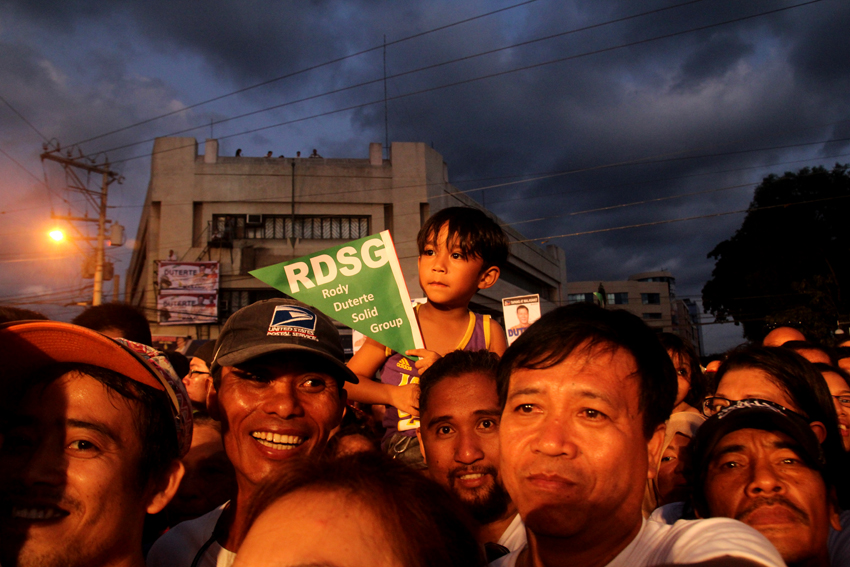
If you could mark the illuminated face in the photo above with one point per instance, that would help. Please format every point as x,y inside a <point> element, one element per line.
<point>331,528</point>
<point>198,381</point>
<point>69,476</point>
<point>446,276</point>
<point>460,441</point>
<point>522,315</point>
<point>840,390</point>
<point>673,480</point>
<point>573,454</point>
<point>272,409</point>
<point>759,478</point>
<point>683,375</point>
<point>753,384</point>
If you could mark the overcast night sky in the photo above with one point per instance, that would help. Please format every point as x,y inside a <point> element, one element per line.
<point>562,116</point>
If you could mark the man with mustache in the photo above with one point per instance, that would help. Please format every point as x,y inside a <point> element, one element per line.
<point>459,437</point>
<point>585,393</point>
<point>762,464</point>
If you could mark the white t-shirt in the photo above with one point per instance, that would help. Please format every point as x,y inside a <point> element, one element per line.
<point>839,543</point>
<point>687,541</point>
<point>514,535</point>
<point>179,546</point>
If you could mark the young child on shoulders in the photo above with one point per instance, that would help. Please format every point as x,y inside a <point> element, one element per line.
<point>461,251</point>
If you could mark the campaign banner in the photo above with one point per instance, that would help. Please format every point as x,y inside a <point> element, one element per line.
<point>182,277</point>
<point>520,312</point>
<point>359,284</point>
<point>187,308</point>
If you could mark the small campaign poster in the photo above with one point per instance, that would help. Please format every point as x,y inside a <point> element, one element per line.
<point>520,312</point>
<point>187,292</point>
<point>359,284</point>
<point>187,308</point>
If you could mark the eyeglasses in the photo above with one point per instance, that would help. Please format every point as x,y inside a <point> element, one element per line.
<point>843,400</point>
<point>714,404</point>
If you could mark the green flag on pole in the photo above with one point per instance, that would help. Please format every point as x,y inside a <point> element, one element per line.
<point>359,284</point>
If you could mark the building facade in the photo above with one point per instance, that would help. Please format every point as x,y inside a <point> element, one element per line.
<point>649,295</point>
<point>251,212</point>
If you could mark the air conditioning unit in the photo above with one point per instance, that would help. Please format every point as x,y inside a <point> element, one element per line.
<point>254,220</point>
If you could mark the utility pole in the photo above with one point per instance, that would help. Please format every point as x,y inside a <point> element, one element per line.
<point>70,164</point>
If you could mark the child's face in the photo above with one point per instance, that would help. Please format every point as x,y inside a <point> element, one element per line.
<point>445,275</point>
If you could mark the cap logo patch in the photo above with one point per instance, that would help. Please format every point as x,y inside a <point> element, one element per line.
<point>293,321</point>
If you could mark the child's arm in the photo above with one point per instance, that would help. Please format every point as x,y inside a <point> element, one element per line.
<point>364,364</point>
<point>498,342</point>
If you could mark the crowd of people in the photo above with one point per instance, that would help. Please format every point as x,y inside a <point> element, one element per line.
<point>592,440</point>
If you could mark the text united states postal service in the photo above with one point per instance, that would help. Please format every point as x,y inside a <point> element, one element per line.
<point>359,284</point>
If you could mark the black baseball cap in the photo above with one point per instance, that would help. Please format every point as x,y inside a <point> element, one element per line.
<point>756,414</point>
<point>277,325</point>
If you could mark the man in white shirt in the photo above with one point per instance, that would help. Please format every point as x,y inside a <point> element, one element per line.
<point>459,438</point>
<point>585,394</point>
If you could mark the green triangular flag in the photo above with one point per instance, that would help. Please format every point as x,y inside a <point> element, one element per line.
<point>359,284</point>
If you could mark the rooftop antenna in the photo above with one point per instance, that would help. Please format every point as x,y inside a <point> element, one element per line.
<point>386,113</point>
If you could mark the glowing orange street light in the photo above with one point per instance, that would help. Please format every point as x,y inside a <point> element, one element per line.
<point>57,235</point>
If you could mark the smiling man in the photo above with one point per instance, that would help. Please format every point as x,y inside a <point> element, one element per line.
<point>278,374</point>
<point>762,464</point>
<point>92,433</point>
<point>585,394</point>
<point>459,437</point>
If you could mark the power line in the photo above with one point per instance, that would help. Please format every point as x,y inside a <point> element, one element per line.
<point>405,73</point>
<point>487,76</point>
<point>305,70</point>
<point>683,219</point>
<point>21,116</point>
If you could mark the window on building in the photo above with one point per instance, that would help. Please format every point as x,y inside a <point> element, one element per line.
<point>621,298</point>
<point>579,298</point>
<point>654,316</point>
<point>235,227</point>
<point>650,298</point>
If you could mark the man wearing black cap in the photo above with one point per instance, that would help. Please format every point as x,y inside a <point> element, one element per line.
<point>278,373</point>
<point>762,464</point>
<point>92,431</point>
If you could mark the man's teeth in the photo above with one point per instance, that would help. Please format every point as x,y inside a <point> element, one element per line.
<point>471,476</point>
<point>842,426</point>
<point>35,513</point>
<point>276,440</point>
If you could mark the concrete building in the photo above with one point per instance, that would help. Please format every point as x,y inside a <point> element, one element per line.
<point>651,296</point>
<point>250,212</point>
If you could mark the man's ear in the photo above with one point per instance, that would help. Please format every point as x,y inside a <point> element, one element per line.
<point>489,277</point>
<point>421,445</point>
<point>819,429</point>
<point>653,449</point>
<point>167,488</point>
<point>834,510</point>
<point>212,404</point>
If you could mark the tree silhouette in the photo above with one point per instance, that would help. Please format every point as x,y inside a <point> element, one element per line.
<point>789,263</point>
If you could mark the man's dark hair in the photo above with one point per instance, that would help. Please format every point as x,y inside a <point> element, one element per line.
<point>130,321</point>
<point>476,234</point>
<point>9,314</point>
<point>456,363</point>
<point>805,385</point>
<point>436,531</point>
<point>154,423</point>
<point>684,350</point>
<point>560,332</point>
<point>824,367</point>
<point>522,307</point>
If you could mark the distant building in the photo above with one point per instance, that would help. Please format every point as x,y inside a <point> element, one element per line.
<point>249,212</point>
<point>651,296</point>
